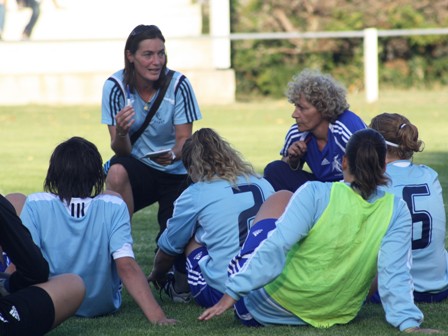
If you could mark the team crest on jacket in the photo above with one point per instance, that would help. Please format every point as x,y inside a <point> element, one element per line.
<point>337,165</point>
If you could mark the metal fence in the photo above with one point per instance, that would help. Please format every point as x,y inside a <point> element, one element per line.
<point>370,36</point>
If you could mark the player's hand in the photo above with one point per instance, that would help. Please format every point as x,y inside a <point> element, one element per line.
<point>158,282</point>
<point>164,159</point>
<point>166,321</point>
<point>297,150</point>
<point>124,120</point>
<point>422,331</point>
<point>225,303</point>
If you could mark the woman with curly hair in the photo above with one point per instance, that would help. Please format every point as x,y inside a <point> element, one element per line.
<point>211,219</point>
<point>318,138</point>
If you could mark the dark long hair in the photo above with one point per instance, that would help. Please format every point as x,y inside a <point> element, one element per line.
<point>76,170</point>
<point>366,155</point>
<point>138,34</point>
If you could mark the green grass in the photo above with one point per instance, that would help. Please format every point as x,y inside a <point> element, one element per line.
<point>30,133</point>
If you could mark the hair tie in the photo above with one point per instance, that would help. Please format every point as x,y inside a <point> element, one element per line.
<point>402,125</point>
<point>391,144</point>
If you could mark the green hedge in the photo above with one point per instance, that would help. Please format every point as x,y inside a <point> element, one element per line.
<point>263,67</point>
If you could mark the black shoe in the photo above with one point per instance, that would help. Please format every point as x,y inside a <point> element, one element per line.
<point>169,290</point>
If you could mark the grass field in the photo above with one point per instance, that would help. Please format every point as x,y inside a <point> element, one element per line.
<point>30,133</point>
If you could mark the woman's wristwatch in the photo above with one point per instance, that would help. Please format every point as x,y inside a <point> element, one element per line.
<point>173,156</point>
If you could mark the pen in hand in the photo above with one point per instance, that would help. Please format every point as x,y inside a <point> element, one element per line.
<point>128,93</point>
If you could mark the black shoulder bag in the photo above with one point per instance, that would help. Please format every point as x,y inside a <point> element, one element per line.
<point>151,112</point>
<point>154,107</point>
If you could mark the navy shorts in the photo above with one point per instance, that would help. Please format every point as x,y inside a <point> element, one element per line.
<point>203,294</point>
<point>244,316</point>
<point>421,297</point>
<point>257,234</point>
<point>282,177</point>
<point>29,311</point>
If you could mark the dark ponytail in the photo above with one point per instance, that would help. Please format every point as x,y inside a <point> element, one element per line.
<point>366,155</point>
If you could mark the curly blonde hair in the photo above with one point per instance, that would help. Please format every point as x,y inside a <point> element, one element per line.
<point>399,131</point>
<point>207,156</point>
<point>322,91</point>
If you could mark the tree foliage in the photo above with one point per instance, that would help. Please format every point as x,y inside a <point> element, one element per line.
<point>265,66</point>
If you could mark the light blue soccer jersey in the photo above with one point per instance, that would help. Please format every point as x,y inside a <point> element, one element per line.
<point>179,106</point>
<point>80,238</point>
<point>304,209</point>
<point>326,165</point>
<point>420,188</point>
<point>218,217</point>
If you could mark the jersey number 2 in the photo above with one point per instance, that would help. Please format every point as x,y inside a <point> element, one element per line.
<point>247,216</point>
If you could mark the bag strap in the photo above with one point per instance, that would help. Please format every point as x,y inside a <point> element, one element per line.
<point>154,107</point>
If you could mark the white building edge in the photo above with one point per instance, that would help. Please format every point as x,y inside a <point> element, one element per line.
<point>73,49</point>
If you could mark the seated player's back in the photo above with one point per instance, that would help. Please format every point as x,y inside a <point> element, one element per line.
<point>419,186</point>
<point>80,238</point>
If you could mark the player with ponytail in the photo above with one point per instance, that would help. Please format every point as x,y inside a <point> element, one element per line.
<point>322,246</point>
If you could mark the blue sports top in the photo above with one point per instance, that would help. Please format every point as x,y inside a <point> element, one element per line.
<point>326,165</point>
<point>179,106</point>
<point>303,211</point>
<point>420,187</point>
<point>81,238</point>
<point>218,217</point>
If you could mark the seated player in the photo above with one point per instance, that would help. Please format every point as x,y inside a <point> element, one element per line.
<point>420,188</point>
<point>323,125</point>
<point>30,302</point>
<point>82,230</point>
<point>329,241</point>
<point>211,217</point>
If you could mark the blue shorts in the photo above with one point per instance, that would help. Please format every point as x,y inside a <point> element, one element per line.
<point>430,297</point>
<point>244,316</point>
<point>421,297</point>
<point>282,177</point>
<point>258,233</point>
<point>204,295</point>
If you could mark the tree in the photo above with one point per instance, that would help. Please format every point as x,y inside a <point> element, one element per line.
<point>265,66</point>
